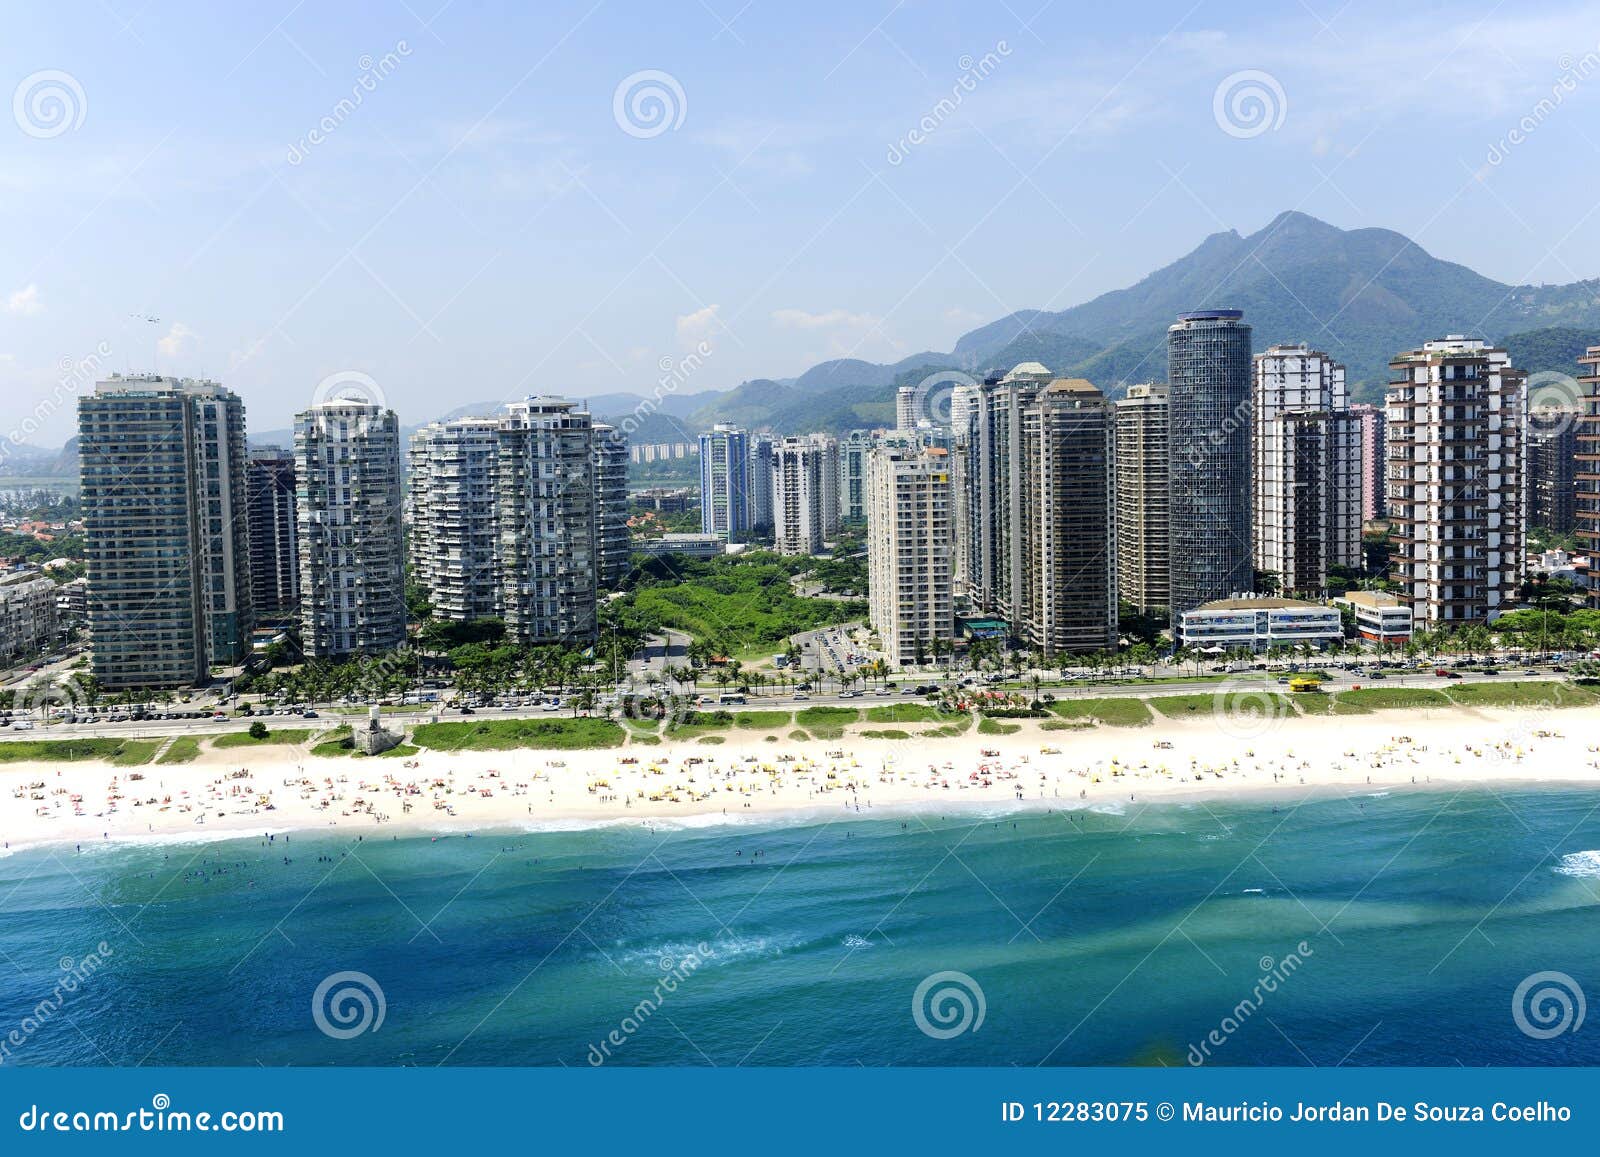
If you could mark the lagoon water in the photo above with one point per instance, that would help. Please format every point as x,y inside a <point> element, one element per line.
<point>1089,937</point>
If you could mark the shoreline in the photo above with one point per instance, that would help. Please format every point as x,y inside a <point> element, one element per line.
<point>239,793</point>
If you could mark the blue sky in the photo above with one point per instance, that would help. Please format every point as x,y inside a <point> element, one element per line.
<point>482,224</point>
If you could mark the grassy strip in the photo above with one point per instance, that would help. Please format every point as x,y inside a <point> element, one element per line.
<point>1531,694</point>
<point>754,720</point>
<point>184,749</point>
<point>886,733</point>
<point>960,725</point>
<point>245,739</point>
<point>904,713</point>
<point>1066,725</point>
<point>987,726</point>
<point>1227,702</point>
<point>507,734</point>
<point>827,722</point>
<point>121,752</point>
<point>1118,712</point>
<point>1385,698</point>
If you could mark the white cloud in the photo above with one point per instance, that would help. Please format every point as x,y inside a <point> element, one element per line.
<point>24,302</point>
<point>830,319</point>
<point>699,325</point>
<point>178,338</point>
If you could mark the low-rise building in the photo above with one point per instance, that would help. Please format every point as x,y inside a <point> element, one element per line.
<point>1380,617</point>
<point>1255,623</point>
<point>700,546</point>
<point>27,615</point>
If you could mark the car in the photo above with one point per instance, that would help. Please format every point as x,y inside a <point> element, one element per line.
<point>22,725</point>
<point>466,709</point>
<point>910,691</point>
<point>552,705</point>
<point>308,714</point>
<point>883,691</point>
<point>1377,675</point>
<point>800,695</point>
<point>219,717</point>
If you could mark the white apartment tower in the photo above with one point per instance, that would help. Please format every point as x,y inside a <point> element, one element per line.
<point>905,408</point>
<point>1305,469</point>
<point>1144,572</point>
<point>909,551</point>
<point>450,501</point>
<point>797,495</point>
<point>349,502</point>
<point>1455,420</point>
<point>613,542</point>
<point>545,517</point>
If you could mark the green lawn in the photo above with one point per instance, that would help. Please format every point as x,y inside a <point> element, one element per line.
<point>1313,703</point>
<point>184,749</point>
<point>121,752</point>
<point>987,726</point>
<point>905,713</point>
<point>756,720</point>
<point>1066,725</point>
<point>508,734</point>
<point>1189,706</point>
<point>885,733</point>
<point>245,739</point>
<point>333,748</point>
<point>1118,712</point>
<point>1530,694</point>
<point>750,602</point>
<point>1383,698</point>
<point>827,722</point>
<point>959,725</point>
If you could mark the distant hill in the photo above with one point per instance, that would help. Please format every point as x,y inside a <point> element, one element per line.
<point>1362,295</point>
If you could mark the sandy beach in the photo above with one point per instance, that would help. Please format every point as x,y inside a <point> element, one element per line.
<point>273,788</point>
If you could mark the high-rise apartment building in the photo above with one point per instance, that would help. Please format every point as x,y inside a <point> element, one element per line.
<point>797,495</point>
<point>828,448</point>
<point>450,499</point>
<point>1552,483</point>
<point>854,451</point>
<point>909,550</point>
<point>1305,453</point>
<point>997,477</point>
<point>725,482</point>
<point>759,475</point>
<point>1586,513</point>
<point>1208,371</point>
<point>1456,411</point>
<point>1374,460</point>
<point>1066,577</point>
<point>165,530</point>
<point>1144,576</point>
<point>274,536</point>
<point>349,500</point>
<point>545,517</point>
<point>613,542</point>
<point>905,408</point>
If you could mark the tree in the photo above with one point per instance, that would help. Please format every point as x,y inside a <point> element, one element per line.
<point>258,730</point>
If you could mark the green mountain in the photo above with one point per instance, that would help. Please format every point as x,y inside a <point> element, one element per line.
<point>1360,294</point>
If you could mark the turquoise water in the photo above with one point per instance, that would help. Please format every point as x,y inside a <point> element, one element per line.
<point>1094,938</point>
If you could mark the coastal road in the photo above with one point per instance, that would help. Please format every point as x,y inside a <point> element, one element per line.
<point>329,719</point>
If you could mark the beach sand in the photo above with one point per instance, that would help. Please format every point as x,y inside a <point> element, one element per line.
<point>277,788</point>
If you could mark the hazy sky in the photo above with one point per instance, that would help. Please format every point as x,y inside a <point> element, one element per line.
<point>486,215</point>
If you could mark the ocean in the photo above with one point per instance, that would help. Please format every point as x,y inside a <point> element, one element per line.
<point>1427,928</point>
